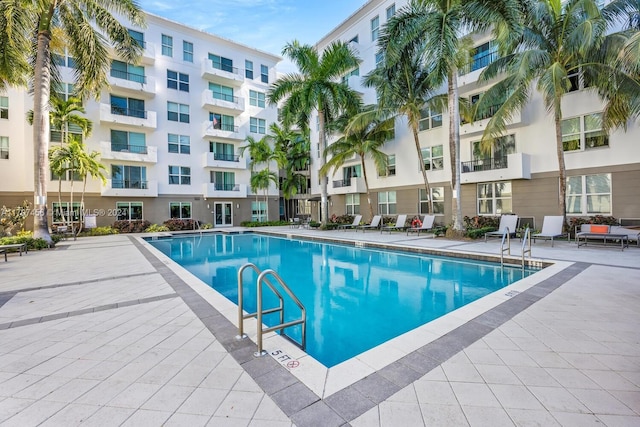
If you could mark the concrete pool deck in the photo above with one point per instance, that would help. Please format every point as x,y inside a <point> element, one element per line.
<point>102,331</point>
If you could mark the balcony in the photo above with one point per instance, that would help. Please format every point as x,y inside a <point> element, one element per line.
<point>512,166</point>
<point>125,116</point>
<point>355,83</point>
<point>130,153</point>
<point>219,130</point>
<point>222,103</point>
<point>148,56</point>
<point>224,191</point>
<point>133,84</point>
<point>129,188</point>
<point>223,161</point>
<point>229,75</point>
<point>348,186</point>
<point>478,127</point>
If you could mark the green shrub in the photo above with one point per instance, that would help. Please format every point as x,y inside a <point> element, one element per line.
<point>330,226</point>
<point>99,231</point>
<point>342,219</point>
<point>477,222</point>
<point>25,237</point>
<point>175,224</point>
<point>137,226</point>
<point>315,224</point>
<point>263,223</point>
<point>477,233</point>
<point>156,228</point>
<point>207,226</point>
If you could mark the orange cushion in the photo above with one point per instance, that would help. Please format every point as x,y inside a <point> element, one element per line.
<point>599,228</point>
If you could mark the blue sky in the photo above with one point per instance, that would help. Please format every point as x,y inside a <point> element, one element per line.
<point>263,24</point>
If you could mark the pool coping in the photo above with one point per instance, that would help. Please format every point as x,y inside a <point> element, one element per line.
<point>356,390</point>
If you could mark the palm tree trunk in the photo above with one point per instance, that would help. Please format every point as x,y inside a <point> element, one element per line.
<point>62,216</point>
<point>416,140</point>
<point>41,132</point>
<point>562,196</point>
<point>454,147</point>
<point>366,185</point>
<point>324,198</point>
<point>71,215</point>
<point>81,217</point>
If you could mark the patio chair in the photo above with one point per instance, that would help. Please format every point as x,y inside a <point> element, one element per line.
<point>551,228</point>
<point>508,223</point>
<point>400,224</point>
<point>375,223</point>
<point>355,223</point>
<point>427,225</point>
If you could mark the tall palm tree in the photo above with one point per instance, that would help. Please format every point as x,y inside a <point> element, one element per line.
<point>316,88</point>
<point>260,152</point>
<point>560,39</point>
<point>261,180</point>
<point>363,139</point>
<point>64,161</point>
<point>89,166</point>
<point>87,27</point>
<point>432,28</point>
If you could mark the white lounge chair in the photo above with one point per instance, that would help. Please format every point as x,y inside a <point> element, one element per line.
<point>355,223</point>
<point>400,224</point>
<point>551,228</point>
<point>427,225</point>
<point>375,223</point>
<point>508,224</point>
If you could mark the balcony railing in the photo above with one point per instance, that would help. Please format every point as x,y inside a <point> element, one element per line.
<point>342,183</point>
<point>486,164</point>
<point>142,185</point>
<point>225,127</point>
<point>130,112</point>
<point>138,149</point>
<point>225,97</point>
<point>128,76</point>
<point>226,157</point>
<point>480,61</point>
<point>228,69</point>
<point>226,187</point>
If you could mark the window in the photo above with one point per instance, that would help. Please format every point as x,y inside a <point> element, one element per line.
<point>178,81</point>
<point>177,112</point>
<point>391,166</point>
<point>248,69</point>
<point>128,107</point>
<point>122,70</point>
<point>129,211</point>
<point>137,36</point>
<point>4,107</point>
<point>258,211</point>
<point>257,99</point>
<point>494,198</point>
<point>353,204</point>
<point>375,28</point>
<point>583,133</point>
<point>223,151</point>
<point>430,118</point>
<point>187,51</point>
<point>354,72</point>
<point>61,210</point>
<point>64,60</point>
<point>180,210</point>
<point>167,45</point>
<point>63,91</point>
<point>491,154</point>
<point>433,158</point>
<point>483,55</point>
<point>224,93</point>
<point>379,58</point>
<point>387,202</point>
<point>4,147</point>
<point>264,74</point>
<point>221,63</point>
<point>73,131</point>
<point>257,125</point>
<point>179,143</point>
<point>67,176</point>
<point>391,10</point>
<point>132,142</point>
<point>589,195</point>
<point>128,177</point>
<point>349,172</point>
<point>437,195</point>
<point>179,175</point>
<point>222,122</point>
<point>223,181</point>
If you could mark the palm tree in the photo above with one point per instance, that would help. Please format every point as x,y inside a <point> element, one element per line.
<point>64,161</point>
<point>560,39</point>
<point>432,29</point>
<point>260,152</point>
<point>87,27</point>
<point>261,180</point>
<point>316,87</point>
<point>89,165</point>
<point>363,139</point>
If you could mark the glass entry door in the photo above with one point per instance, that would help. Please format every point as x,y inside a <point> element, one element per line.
<point>222,214</point>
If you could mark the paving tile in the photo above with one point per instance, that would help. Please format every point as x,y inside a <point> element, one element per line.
<point>203,401</point>
<point>42,388</point>
<point>269,411</point>
<point>611,380</point>
<point>571,419</point>
<point>460,372</point>
<point>318,413</point>
<point>435,392</point>
<point>191,420</point>
<point>619,420</point>
<point>376,388</point>
<point>18,383</point>
<point>71,415</point>
<point>294,398</point>
<point>497,374</point>
<point>146,418</point>
<point>228,422</point>
<point>239,404</point>
<point>396,413</point>
<point>556,399</point>
<point>572,378</point>
<point>349,403</point>
<point>134,396</point>
<point>34,414</point>
<point>473,394</point>
<point>435,415</point>
<point>601,402</point>
<point>168,398</point>
<point>629,398</point>
<point>515,396</point>
<point>11,406</point>
<point>530,418</point>
<point>487,416</point>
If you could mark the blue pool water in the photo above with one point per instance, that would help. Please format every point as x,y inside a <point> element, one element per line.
<point>355,298</point>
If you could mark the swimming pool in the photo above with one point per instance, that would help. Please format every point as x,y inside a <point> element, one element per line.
<point>356,298</point>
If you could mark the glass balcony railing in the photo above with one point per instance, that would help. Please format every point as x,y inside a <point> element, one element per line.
<point>128,76</point>
<point>342,183</point>
<point>138,149</point>
<point>226,157</point>
<point>134,184</point>
<point>130,112</point>
<point>486,164</point>
<point>226,187</point>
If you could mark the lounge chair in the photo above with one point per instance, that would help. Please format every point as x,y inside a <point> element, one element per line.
<point>375,223</point>
<point>400,224</point>
<point>355,223</point>
<point>508,223</point>
<point>427,225</point>
<point>551,228</point>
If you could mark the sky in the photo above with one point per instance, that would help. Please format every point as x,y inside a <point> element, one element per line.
<point>263,24</point>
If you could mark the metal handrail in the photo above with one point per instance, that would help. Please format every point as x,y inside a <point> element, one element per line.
<point>526,239</point>
<point>505,235</point>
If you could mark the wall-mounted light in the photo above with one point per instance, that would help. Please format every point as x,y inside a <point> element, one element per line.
<point>237,205</point>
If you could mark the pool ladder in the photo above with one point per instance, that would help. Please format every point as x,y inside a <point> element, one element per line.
<point>526,245</point>
<point>263,278</point>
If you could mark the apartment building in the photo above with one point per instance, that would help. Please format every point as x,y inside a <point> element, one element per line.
<point>520,175</point>
<point>168,131</point>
